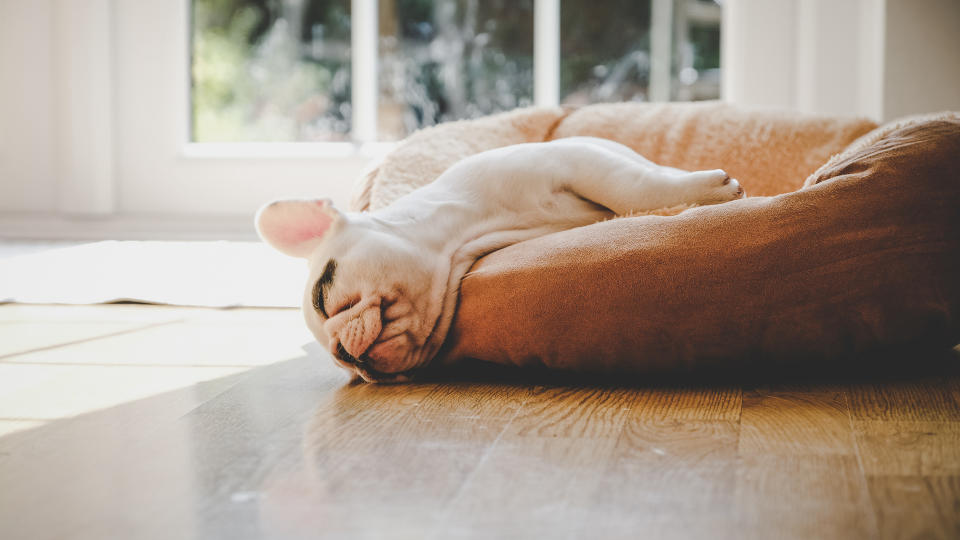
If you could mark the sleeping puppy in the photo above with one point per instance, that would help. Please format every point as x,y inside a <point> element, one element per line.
<point>383,285</point>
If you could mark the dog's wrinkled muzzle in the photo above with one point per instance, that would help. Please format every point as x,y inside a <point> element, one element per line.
<point>361,332</point>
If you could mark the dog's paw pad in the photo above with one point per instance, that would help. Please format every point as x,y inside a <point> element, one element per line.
<point>715,186</point>
<point>731,190</point>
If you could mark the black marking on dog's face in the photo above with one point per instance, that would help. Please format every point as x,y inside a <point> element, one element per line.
<point>343,355</point>
<point>363,364</point>
<point>322,285</point>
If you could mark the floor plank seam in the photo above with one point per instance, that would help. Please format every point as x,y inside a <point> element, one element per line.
<point>125,365</point>
<point>4,357</point>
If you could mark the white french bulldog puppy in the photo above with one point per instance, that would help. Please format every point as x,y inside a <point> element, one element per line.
<point>383,285</point>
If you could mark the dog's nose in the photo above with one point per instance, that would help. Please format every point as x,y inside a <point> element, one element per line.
<point>361,331</point>
<point>344,356</point>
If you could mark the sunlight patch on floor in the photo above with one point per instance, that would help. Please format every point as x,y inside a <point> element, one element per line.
<point>62,361</point>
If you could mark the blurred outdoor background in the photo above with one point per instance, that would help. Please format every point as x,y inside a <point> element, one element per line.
<point>280,70</point>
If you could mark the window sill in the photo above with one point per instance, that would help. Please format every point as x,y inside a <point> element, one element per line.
<point>286,150</point>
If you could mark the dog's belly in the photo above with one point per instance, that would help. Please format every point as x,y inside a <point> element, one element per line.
<point>567,209</point>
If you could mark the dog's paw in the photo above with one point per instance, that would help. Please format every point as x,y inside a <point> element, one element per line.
<point>714,186</point>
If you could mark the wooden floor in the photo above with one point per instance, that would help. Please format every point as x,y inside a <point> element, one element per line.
<point>148,422</point>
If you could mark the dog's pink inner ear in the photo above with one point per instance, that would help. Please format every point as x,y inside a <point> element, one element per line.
<point>295,227</point>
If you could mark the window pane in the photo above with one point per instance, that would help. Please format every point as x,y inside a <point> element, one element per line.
<point>450,59</point>
<point>606,54</point>
<point>266,70</point>
<point>279,70</point>
<point>698,75</point>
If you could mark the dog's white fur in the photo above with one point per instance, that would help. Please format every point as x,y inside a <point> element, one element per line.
<point>390,297</point>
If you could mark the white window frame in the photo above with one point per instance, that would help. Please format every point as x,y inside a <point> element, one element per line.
<point>146,163</point>
<point>160,171</point>
<point>364,60</point>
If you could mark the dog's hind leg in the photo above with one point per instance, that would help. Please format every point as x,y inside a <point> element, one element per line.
<point>607,174</point>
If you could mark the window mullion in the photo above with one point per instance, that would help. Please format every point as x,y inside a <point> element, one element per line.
<point>363,57</point>
<point>546,52</point>
<point>661,49</point>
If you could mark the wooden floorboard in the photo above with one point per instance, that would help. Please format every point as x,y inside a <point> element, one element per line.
<point>156,422</point>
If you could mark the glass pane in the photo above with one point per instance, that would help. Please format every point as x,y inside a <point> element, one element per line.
<point>445,60</point>
<point>605,50</point>
<point>267,70</point>
<point>697,76</point>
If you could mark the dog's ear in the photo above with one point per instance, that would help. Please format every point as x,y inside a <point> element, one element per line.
<point>296,226</point>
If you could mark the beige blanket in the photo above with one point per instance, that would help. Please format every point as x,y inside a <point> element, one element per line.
<point>769,152</point>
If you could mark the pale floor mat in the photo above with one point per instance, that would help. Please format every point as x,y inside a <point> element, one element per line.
<point>210,274</point>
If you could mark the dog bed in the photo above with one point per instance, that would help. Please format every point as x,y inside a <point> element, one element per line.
<point>849,244</point>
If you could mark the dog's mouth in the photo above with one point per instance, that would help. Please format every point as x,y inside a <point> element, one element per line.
<point>362,366</point>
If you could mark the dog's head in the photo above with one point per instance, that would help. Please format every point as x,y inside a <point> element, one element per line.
<point>370,294</point>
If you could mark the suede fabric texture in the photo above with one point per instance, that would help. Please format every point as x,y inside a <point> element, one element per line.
<point>864,259</point>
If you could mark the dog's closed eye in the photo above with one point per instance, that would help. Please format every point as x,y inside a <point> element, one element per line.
<point>322,285</point>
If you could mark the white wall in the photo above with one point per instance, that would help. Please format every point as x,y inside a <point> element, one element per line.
<point>922,57</point>
<point>876,58</point>
<point>27,179</point>
<point>836,47</point>
<point>759,50</point>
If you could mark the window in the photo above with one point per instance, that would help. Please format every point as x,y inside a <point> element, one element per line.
<point>271,70</point>
<point>448,60</point>
<point>180,118</point>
